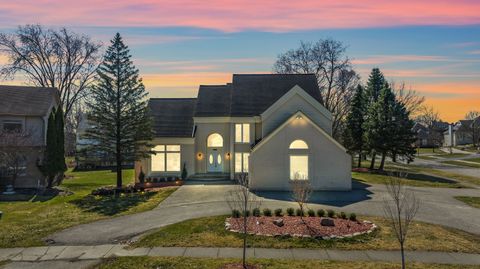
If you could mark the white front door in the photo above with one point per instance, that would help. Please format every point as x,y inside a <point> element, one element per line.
<point>214,160</point>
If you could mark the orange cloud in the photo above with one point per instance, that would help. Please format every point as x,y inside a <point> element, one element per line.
<point>229,15</point>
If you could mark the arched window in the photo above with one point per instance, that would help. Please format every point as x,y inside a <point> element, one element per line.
<point>215,141</point>
<point>298,160</point>
<point>298,144</point>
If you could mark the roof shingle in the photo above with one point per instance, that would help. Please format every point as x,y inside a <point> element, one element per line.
<point>26,101</point>
<point>172,117</point>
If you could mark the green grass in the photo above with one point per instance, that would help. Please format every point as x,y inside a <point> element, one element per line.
<point>217,263</point>
<point>462,163</point>
<point>410,178</point>
<point>25,223</point>
<point>469,200</point>
<point>445,174</point>
<point>475,160</point>
<point>428,150</point>
<point>210,232</point>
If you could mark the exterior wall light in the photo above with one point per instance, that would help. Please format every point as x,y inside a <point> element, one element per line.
<point>299,117</point>
<point>227,156</point>
<point>199,156</point>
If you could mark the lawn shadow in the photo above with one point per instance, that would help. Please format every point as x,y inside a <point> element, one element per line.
<point>358,193</point>
<point>110,205</point>
<point>416,176</point>
<point>32,195</point>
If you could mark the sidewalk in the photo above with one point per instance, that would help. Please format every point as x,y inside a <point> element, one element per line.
<point>66,253</point>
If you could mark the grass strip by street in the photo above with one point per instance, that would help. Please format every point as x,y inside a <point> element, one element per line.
<point>25,223</point>
<point>445,174</point>
<point>411,179</point>
<point>469,200</point>
<point>466,163</point>
<point>210,232</point>
<point>211,263</point>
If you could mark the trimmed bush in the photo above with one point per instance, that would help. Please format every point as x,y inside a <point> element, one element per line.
<point>141,177</point>
<point>290,211</point>
<point>278,212</point>
<point>343,215</point>
<point>299,212</point>
<point>235,213</point>
<point>256,212</point>
<point>247,213</point>
<point>311,213</point>
<point>353,217</point>
<point>321,213</point>
<point>267,212</point>
<point>330,213</point>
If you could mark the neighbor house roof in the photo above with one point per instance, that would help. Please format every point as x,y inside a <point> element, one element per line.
<point>27,101</point>
<point>172,117</point>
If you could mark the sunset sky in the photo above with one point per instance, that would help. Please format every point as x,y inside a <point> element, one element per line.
<point>431,45</point>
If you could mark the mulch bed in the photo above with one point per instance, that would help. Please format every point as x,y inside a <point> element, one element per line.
<point>294,226</point>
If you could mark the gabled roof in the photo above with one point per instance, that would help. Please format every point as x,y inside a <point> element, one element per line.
<point>252,94</point>
<point>213,100</point>
<point>27,101</point>
<point>172,117</point>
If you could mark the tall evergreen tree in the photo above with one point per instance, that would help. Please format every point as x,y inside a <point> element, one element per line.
<point>353,136</point>
<point>375,83</point>
<point>60,145</point>
<point>403,137</point>
<point>48,166</point>
<point>122,127</point>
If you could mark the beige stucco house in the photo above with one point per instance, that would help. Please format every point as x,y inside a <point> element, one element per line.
<point>270,126</point>
<point>26,110</point>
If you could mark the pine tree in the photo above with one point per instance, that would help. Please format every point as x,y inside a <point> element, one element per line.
<point>122,127</point>
<point>353,135</point>
<point>375,83</point>
<point>404,137</point>
<point>60,145</point>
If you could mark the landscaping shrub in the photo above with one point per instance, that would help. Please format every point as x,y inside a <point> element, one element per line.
<point>299,212</point>
<point>311,213</point>
<point>247,213</point>
<point>278,212</point>
<point>290,211</point>
<point>267,212</point>
<point>235,213</point>
<point>141,177</point>
<point>343,215</point>
<point>184,171</point>
<point>102,191</point>
<point>330,213</point>
<point>321,213</point>
<point>256,212</point>
<point>353,216</point>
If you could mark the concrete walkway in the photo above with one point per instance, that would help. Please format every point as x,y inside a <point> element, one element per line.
<point>70,253</point>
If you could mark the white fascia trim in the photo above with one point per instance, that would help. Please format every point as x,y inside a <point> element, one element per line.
<point>293,117</point>
<point>296,90</point>
<point>173,140</point>
<point>253,119</point>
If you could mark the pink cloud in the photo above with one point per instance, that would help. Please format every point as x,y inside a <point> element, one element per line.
<point>270,15</point>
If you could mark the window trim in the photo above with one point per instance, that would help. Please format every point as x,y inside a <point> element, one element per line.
<point>290,166</point>
<point>294,151</point>
<point>165,152</point>
<point>19,122</point>
<point>242,133</point>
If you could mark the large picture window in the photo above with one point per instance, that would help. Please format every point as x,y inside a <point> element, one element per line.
<point>242,133</point>
<point>241,162</point>
<point>298,160</point>
<point>166,159</point>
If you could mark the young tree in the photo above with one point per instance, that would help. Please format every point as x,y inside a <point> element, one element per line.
<point>375,83</point>
<point>336,78</point>
<point>400,207</point>
<point>353,134</point>
<point>241,199</point>
<point>51,58</point>
<point>301,191</point>
<point>119,109</point>
<point>14,146</point>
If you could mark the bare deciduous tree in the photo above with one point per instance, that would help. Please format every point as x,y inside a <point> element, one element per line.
<point>475,126</point>
<point>51,58</point>
<point>301,191</point>
<point>471,115</point>
<point>429,117</point>
<point>14,147</point>
<point>400,207</point>
<point>241,199</point>
<point>410,98</point>
<point>335,76</point>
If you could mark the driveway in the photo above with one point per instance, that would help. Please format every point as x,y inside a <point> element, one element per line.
<point>198,200</point>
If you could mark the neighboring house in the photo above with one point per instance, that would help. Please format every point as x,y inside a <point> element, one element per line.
<point>25,110</point>
<point>430,136</point>
<point>463,132</point>
<point>270,126</point>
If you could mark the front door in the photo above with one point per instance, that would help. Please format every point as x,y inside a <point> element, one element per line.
<point>214,160</point>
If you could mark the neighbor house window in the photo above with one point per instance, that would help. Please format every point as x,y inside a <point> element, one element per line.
<point>241,162</point>
<point>166,159</point>
<point>242,133</point>
<point>298,160</point>
<point>12,126</point>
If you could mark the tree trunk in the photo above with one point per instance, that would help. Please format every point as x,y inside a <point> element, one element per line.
<point>402,251</point>
<point>382,163</point>
<point>394,157</point>
<point>244,256</point>
<point>359,159</point>
<point>372,164</point>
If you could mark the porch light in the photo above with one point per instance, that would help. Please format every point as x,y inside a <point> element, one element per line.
<point>227,156</point>
<point>199,156</point>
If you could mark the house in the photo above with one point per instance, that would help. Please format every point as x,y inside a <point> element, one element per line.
<point>270,126</point>
<point>463,132</point>
<point>430,136</point>
<point>25,111</point>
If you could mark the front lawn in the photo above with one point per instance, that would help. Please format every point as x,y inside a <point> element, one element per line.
<point>465,163</point>
<point>445,174</point>
<point>210,263</point>
<point>469,200</point>
<point>210,232</point>
<point>25,223</point>
<point>410,178</point>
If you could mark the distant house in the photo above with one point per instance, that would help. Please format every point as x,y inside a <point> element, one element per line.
<point>25,110</point>
<point>271,126</point>
<point>463,132</point>
<point>430,136</point>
